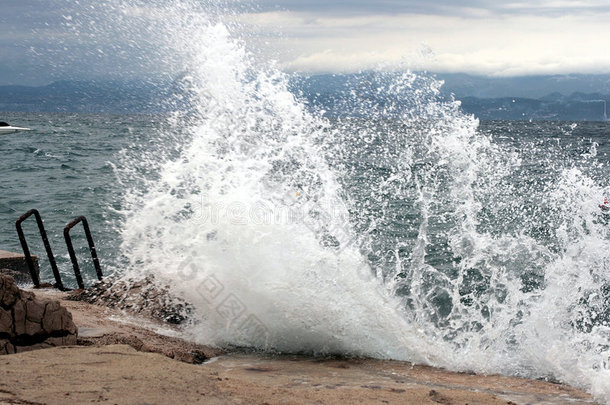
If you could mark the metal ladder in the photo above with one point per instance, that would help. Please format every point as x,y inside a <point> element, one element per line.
<point>28,257</point>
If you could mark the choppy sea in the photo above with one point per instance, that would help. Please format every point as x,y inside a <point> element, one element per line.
<point>399,228</point>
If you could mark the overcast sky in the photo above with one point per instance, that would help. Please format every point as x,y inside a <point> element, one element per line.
<point>46,40</point>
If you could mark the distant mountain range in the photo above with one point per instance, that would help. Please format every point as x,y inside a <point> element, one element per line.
<point>85,97</point>
<point>558,97</point>
<point>561,97</point>
<point>576,107</point>
<point>533,87</point>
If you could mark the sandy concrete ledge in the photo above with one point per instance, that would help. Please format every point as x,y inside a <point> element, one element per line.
<point>145,370</point>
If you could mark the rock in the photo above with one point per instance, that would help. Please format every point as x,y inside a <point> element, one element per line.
<point>6,321</point>
<point>27,323</point>
<point>15,265</point>
<point>19,317</point>
<point>19,277</point>
<point>138,296</point>
<point>9,292</point>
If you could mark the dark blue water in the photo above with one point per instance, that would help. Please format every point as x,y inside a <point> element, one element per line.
<point>74,164</point>
<point>470,238</point>
<point>65,167</point>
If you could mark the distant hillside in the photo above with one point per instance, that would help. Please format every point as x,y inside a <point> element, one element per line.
<point>85,97</point>
<point>569,97</point>
<point>509,108</point>
<point>533,87</point>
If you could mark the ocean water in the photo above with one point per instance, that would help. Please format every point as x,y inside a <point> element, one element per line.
<point>65,167</point>
<point>399,228</point>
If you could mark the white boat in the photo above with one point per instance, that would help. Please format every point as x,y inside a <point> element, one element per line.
<point>6,128</point>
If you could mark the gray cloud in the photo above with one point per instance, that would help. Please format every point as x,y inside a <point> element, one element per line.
<point>46,40</point>
<point>437,7</point>
<point>349,7</point>
<point>32,40</point>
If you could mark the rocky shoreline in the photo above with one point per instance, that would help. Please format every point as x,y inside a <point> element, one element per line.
<point>120,358</point>
<point>28,323</point>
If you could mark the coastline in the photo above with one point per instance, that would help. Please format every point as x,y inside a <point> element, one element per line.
<point>127,360</point>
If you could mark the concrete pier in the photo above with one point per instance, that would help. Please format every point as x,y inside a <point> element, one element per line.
<point>14,264</point>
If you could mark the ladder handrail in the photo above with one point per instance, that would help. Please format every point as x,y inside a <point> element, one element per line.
<point>68,239</point>
<point>47,246</point>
